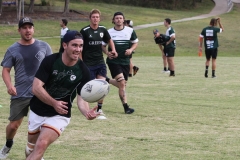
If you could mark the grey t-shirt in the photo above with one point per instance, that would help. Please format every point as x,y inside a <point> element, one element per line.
<point>25,59</point>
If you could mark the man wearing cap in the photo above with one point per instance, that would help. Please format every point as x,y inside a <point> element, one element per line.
<point>58,79</point>
<point>25,57</point>
<point>93,35</point>
<point>161,40</point>
<point>125,40</point>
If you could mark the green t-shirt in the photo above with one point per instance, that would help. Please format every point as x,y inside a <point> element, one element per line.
<point>61,82</point>
<point>92,49</point>
<point>170,32</point>
<point>210,37</point>
<point>123,40</point>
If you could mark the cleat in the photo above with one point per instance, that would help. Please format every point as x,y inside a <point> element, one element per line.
<point>172,75</point>
<point>4,152</point>
<point>135,70</point>
<point>102,115</point>
<point>167,71</point>
<point>214,76</point>
<point>206,74</point>
<point>129,111</point>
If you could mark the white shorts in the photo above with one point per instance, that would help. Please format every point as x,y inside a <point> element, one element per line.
<point>57,123</point>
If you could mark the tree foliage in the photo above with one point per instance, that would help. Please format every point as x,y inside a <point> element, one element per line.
<point>160,4</point>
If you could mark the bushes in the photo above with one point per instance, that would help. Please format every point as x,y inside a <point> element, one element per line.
<point>160,4</point>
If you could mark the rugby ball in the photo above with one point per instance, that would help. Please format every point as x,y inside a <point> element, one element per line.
<point>95,90</point>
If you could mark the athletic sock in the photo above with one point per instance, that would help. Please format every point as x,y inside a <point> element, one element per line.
<point>165,68</point>
<point>213,72</point>
<point>171,72</point>
<point>125,106</point>
<point>130,75</point>
<point>206,67</point>
<point>9,143</point>
<point>99,106</point>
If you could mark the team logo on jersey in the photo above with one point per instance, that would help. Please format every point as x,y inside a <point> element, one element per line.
<point>90,36</point>
<point>40,55</point>
<point>55,72</point>
<point>72,77</point>
<point>101,35</point>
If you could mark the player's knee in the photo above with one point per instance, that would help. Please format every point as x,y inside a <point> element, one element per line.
<point>120,79</point>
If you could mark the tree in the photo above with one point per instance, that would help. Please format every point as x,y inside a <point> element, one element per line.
<point>66,7</point>
<point>31,5</point>
<point>0,7</point>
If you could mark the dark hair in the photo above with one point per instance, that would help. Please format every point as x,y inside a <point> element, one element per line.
<point>213,21</point>
<point>168,20</point>
<point>65,22</point>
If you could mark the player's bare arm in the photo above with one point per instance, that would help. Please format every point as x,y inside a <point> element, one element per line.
<point>112,46</point>
<point>171,39</point>
<point>84,108</point>
<point>7,80</point>
<point>219,23</point>
<point>41,93</point>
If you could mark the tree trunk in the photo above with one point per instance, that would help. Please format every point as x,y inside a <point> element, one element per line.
<point>194,3</point>
<point>18,5</point>
<point>66,7</point>
<point>31,6</point>
<point>0,7</point>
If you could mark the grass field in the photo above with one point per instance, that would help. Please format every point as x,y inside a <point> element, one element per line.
<point>186,117</point>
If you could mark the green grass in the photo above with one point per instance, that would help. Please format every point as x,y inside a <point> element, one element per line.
<point>185,117</point>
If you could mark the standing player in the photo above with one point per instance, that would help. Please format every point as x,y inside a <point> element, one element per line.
<point>209,34</point>
<point>133,69</point>
<point>125,40</point>
<point>25,56</point>
<point>93,35</point>
<point>169,48</point>
<point>64,29</point>
<point>56,82</point>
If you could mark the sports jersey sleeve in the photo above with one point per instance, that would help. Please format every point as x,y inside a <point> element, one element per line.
<point>86,77</point>
<point>44,70</point>
<point>106,36</point>
<point>202,34</point>
<point>134,38</point>
<point>171,32</point>
<point>7,60</point>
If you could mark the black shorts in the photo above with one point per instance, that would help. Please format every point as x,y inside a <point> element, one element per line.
<point>100,69</point>
<point>116,69</point>
<point>211,53</point>
<point>169,52</point>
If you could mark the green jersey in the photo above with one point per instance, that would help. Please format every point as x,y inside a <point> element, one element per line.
<point>170,32</point>
<point>92,49</point>
<point>61,82</point>
<point>210,37</point>
<point>123,40</point>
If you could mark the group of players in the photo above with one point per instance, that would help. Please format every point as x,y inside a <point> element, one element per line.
<point>48,83</point>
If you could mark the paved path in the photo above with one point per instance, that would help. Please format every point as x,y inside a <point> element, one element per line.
<point>221,7</point>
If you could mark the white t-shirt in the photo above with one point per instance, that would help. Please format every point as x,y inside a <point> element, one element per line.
<point>63,32</point>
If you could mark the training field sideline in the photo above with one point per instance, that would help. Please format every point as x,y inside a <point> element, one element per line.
<point>184,117</point>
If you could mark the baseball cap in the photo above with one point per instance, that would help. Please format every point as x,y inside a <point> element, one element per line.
<point>25,20</point>
<point>130,23</point>
<point>155,31</point>
<point>117,14</point>
<point>71,35</point>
